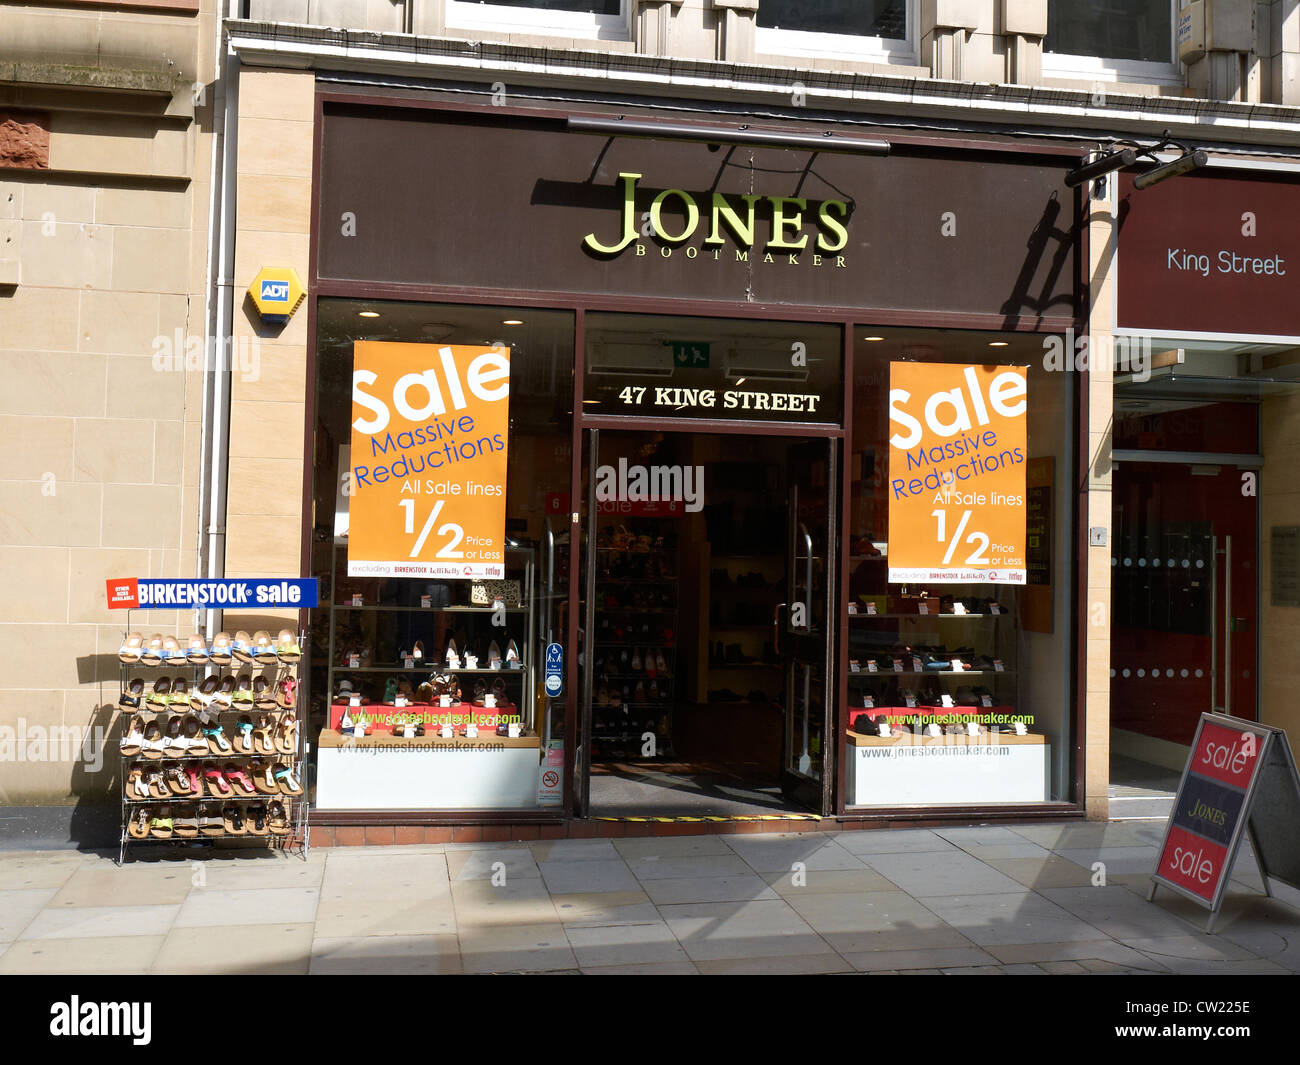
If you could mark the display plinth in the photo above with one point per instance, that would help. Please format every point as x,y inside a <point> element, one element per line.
<point>386,772</point>
<point>919,770</point>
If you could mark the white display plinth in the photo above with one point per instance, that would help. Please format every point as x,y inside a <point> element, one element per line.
<point>383,773</point>
<point>947,770</point>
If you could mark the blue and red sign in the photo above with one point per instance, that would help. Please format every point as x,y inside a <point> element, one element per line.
<point>188,593</point>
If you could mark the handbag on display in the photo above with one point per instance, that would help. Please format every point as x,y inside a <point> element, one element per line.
<point>485,593</point>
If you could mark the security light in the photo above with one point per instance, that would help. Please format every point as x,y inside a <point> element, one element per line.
<point>1193,160</point>
<point>1101,166</point>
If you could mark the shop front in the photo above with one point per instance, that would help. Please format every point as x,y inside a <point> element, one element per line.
<point>654,476</point>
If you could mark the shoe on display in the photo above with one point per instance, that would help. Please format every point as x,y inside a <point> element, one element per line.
<point>134,738</point>
<point>494,655</point>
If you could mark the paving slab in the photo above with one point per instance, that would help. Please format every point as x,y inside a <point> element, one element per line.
<point>605,874</point>
<point>777,854</point>
<point>634,944</point>
<point>386,956</point>
<point>923,875</point>
<point>788,965</point>
<point>594,909</point>
<point>515,948</point>
<point>712,931</point>
<point>99,955</point>
<point>86,922</point>
<point>892,841</point>
<point>248,906</point>
<point>828,882</point>
<point>744,887</point>
<point>1022,917</point>
<point>875,961</point>
<point>651,867</point>
<point>263,950</point>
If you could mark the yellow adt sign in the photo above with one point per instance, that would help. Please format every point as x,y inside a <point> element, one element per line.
<point>276,292</point>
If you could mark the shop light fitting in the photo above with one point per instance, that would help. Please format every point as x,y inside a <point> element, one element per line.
<point>368,314</point>
<point>744,134</point>
<point>997,343</point>
<point>513,321</point>
<point>1135,153</point>
<point>1101,166</point>
<point>1192,160</point>
<point>873,338</point>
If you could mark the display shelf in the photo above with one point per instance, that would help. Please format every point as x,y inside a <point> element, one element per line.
<point>503,672</point>
<point>295,805</point>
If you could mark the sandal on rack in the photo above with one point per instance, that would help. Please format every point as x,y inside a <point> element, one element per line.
<point>257,820</point>
<point>210,823</point>
<point>263,694</point>
<point>138,827</point>
<point>180,693</point>
<point>195,743</point>
<point>244,735</point>
<point>134,737</point>
<point>263,648</point>
<point>239,781</point>
<point>132,695</point>
<point>203,695</point>
<point>151,654</point>
<point>162,826</point>
<point>262,742</point>
<point>129,652</point>
<point>217,741</point>
<point>286,734</point>
<point>242,646</point>
<point>186,822</point>
<point>158,789</point>
<point>178,782</point>
<point>218,786</point>
<point>196,652</point>
<point>171,651</point>
<point>135,788</point>
<point>286,780</point>
<point>286,693</point>
<point>277,819</point>
<point>233,821</point>
<point>158,695</point>
<point>153,744</point>
<point>221,650</point>
<point>286,647</point>
<point>243,693</point>
<point>174,745</point>
<point>262,778</point>
<point>224,696</point>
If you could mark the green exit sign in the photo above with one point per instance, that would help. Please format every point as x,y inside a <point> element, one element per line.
<point>690,354</point>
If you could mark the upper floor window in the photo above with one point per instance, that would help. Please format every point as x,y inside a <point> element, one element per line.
<point>1132,39</point>
<point>860,18</point>
<point>602,19</point>
<point>848,29</point>
<point>594,7</point>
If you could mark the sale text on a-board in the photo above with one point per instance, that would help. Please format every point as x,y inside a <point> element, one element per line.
<point>957,460</point>
<point>430,426</point>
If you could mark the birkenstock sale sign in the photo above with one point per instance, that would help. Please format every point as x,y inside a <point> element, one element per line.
<point>957,473</point>
<point>427,483</point>
<point>132,593</point>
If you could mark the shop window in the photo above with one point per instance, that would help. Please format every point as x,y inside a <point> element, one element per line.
<point>1112,40</point>
<point>605,19</point>
<point>402,666</point>
<point>863,29</point>
<point>958,689</point>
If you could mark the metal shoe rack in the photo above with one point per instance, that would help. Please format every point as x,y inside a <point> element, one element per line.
<point>297,840</point>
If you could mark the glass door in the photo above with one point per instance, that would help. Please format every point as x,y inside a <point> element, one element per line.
<point>1185,595</point>
<point>803,625</point>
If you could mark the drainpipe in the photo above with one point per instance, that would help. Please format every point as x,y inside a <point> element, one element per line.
<point>218,367</point>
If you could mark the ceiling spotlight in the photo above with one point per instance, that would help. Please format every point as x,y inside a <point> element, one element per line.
<point>368,314</point>
<point>873,338</point>
<point>997,343</point>
<point>1193,160</point>
<point>513,321</point>
<point>1101,166</point>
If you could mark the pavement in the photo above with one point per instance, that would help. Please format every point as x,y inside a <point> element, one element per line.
<point>979,900</point>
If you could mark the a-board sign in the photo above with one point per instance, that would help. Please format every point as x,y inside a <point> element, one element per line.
<point>1240,779</point>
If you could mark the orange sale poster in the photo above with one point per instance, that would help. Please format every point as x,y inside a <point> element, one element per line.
<point>427,482</point>
<point>957,461</point>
